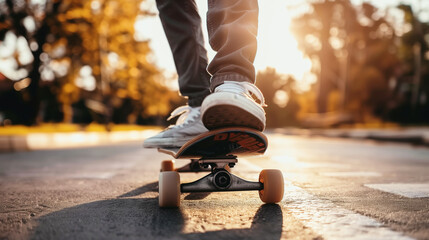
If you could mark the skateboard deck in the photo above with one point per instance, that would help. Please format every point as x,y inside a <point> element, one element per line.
<point>220,143</point>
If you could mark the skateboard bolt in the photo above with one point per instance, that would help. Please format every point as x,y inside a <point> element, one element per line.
<point>222,179</point>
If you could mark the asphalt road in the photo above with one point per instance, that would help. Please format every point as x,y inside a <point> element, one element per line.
<point>334,189</point>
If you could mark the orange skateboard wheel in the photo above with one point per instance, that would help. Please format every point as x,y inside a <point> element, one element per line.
<point>167,165</point>
<point>273,185</point>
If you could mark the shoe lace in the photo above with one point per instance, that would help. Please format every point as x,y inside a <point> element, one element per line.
<point>187,114</point>
<point>243,87</point>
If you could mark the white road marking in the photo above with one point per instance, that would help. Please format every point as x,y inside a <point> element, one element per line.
<point>328,219</point>
<point>350,174</point>
<point>409,190</point>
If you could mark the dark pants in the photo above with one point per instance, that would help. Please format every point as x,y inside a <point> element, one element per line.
<point>232,29</point>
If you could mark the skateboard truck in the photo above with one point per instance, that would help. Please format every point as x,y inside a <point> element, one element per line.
<point>216,151</point>
<point>194,166</point>
<point>220,179</point>
<point>204,164</point>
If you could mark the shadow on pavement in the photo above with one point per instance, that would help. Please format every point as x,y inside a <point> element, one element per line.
<point>153,187</point>
<point>197,195</point>
<point>115,218</point>
<point>142,218</point>
<point>150,187</point>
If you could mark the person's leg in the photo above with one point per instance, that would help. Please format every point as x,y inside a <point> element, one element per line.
<point>233,27</point>
<point>182,26</point>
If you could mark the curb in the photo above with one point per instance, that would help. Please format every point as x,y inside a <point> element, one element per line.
<point>42,141</point>
<point>414,136</point>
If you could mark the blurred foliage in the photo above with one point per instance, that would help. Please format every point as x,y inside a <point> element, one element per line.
<point>67,127</point>
<point>86,65</point>
<point>367,69</point>
<point>280,96</point>
<point>361,62</point>
<point>413,82</point>
<point>354,52</point>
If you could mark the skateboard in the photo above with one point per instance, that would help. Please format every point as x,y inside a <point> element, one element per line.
<point>217,152</point>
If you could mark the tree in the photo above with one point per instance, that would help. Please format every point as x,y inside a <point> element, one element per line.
<point>312,31</point>
<point>18,18</point>
<point>85,51</point>
<point>373,63</point>
<point>413,83</point>
<point>354,52</point>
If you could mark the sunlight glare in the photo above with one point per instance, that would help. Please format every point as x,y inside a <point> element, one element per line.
<point>276,45</point>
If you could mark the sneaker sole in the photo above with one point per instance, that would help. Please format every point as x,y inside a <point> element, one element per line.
<point>220,116</point>
<point>231,110</point>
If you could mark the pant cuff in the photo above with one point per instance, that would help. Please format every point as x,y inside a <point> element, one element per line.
<point>220,79</point>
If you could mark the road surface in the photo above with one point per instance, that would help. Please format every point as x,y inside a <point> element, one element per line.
<point>334,189</point>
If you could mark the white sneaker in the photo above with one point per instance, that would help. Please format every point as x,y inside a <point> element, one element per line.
<point>188,125</point>
<point>232,105</point>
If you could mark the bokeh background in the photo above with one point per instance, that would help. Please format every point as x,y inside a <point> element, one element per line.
<point>324,63</point>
